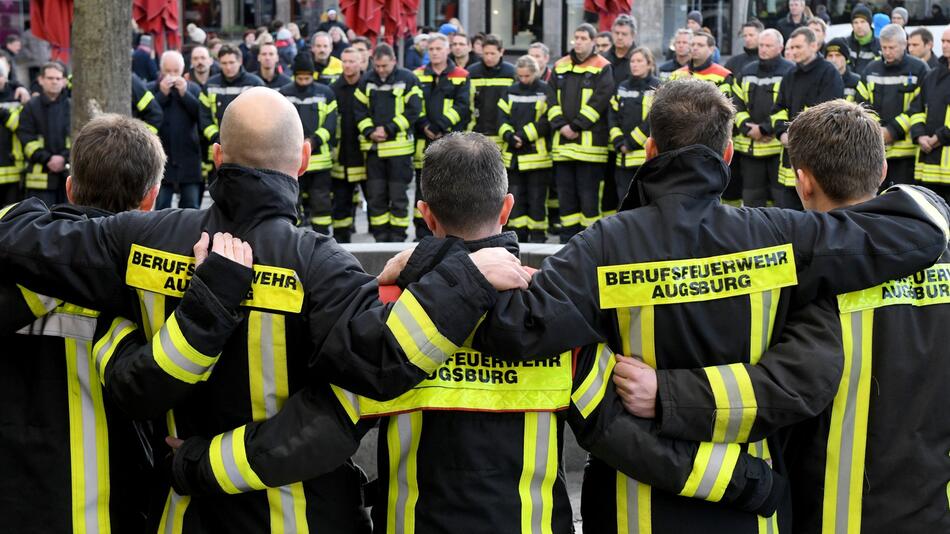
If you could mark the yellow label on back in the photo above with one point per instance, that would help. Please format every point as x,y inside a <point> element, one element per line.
<point>925,288</point>
<point>699,279</point>
<point>472,381</point>
<point>166,273</point>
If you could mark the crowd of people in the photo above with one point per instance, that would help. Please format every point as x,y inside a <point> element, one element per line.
<point>729,370</point>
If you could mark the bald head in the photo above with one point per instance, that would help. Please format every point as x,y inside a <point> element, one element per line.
<point>261,130</point>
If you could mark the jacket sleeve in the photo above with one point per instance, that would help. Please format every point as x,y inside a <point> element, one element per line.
<point>505,130</point>
<point>617,137</point>
<point>310,436</point>
<point>21,307</point>
<point>555,113</point>
<point>381,351</point>
<point>461,109</point>
<point>918,111</point>
<point>739,97</point>
<point>361,111</point>
<point>148,377</point>
<point>29,135</point>
<point>207,122</point>
<point>720,473</point>
<point>326,130</point>
<point>832,86</point>
<point>147,108</point>
<point>412,108</point>
<point>895,234</point>
<point>796,378</point>
<point>596,106</point>
<point>779,117</point>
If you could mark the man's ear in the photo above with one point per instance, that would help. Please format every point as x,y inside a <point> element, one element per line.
<point>431,220</point>
<point>148,201</point>
<point>217,155</point>
<point>506,208</point>
<point>650,148</point>
<point>881,181</point>
<point>729,153</point>
<point>69,189</point>
<point>805,187</point>
<point>305,159</point>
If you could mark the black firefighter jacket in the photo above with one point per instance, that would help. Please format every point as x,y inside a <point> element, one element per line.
<point>686,283</point>
<point>215,97</point>
<point>44,133</point>
<point>929,116</point>
<point>583,91</point>
<point>891,87</point>
<point>144,106</point>
<point>316,105</point>
<point>488,85</point>
<point>311,316</point>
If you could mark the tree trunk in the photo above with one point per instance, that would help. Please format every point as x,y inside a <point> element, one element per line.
<point>102,64</point>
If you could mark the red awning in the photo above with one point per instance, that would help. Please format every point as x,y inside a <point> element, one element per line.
<point>51,21</point>
<point>158,18</point>
<point>607,11</point>
<point>364,17</point>
<point>400,19</point>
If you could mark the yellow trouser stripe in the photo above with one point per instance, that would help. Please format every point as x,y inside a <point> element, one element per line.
<point>636,333</point>
<point>847,438</point>
<point>88,442</point>
<point>634,513</point>
<point>712,470</point>
<point>591,391</point>
<point>418,336</point>
<point>402,440</point>
<point>538,472</point>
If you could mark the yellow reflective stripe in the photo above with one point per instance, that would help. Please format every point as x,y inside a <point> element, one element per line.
<point>847,437</point>
<point>531,132</point>
<point>636,333</point>
<point>554,112</point>
<point>925,288</point>
<point>39,304</point>
<point>230,465</point>
<point>762,307</point>
<point>697,279</point>
<point>210,131</point>
<point>781,115</point>
<point>88,441</point>
<point>152,306</point>
<point>402,442</point>
<point>935,216</point>
<point>349,401</point>
<point>14,121</point>
<point>145,101</point>
<point>361,96</point>
<point>639,136</point>
<point>712,470</point>
<point>173,514</point>
<point>918,118</point>
<point>634,513</point>
<point>736,404</point>
<point>32,146</point>
<point>364,124</point>
<point>591,391</point>
<point>416,334</point>
<point>172,352</point>
<point>538,472</point>
<point>401,122</point>
<point>450,112</point>
<point>105,347</point>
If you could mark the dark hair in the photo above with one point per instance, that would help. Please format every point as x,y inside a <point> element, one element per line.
<point>464,181</point>
<point>361,39</point>
<point>753,23</point>
<point>690,112</point>
<point>55,65</point>
<point>710,40</point>
<point>924,33</point>
<point>227,49</point>
<point>841,145</point>
<point>13,38</point>
<point>115,161</point>
<point>480,36</point>
<point>383,50</point>
<point>607,35</point>
<point>492,40</point>
<point>587,28</point>
<point>625,20</point>
<point>459,34</point>
<point>806,31</point>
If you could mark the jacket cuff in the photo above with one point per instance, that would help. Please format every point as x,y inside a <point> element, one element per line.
<point>227,280</point>
<point>762,489</point>
<point>188,467</point>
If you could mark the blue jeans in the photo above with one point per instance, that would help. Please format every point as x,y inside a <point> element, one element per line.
<point>190,196</point>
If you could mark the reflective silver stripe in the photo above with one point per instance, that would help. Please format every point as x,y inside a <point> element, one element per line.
<point>148,305</point>
<point>176,356</point>
<point>230,463</point>
<point>306,101</point>
<point>370,86</point>
<point>540,470</point>
<point>633,503</point>
<point>267,361</point>
<point>287,510</point>
<point>66,325</point>
<point>847,427</point>
<point>755,80</point>
<point>528,99</point>
<point>892,80</point>
<point>602,360</point>
<point>403,424</point>
<point>850,92</point>
<point>766,318</point>
<point>428,349</point>
<point>174,501</point>
<point>735,403</point>
<point>10,105</point>
<point>232,90</point>
<point>107,346</point>
<point>713,466</point>
<point>89,448</point>
<point>626,93</point>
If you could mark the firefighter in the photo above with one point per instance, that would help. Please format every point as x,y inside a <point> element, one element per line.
<point>624,34</point>
<point>628,114</point>
<point>269,71</point>
<point>221,90</point>
<point>328,67</point>
<point>750,31</point>
<point>388,102</point>
<point>930,126</point>
<point>44,134</point>
<point>892,82</point>
<point>144,106</point>
<point>862,43</point>
<point>584,84</point>
<point>11,151</point>
<point>813,81</point>
<point>453,409</point>
<point>837,52</point>
<point>316,105</point>
<point>307,298</point>
<point>522,114</point>
<point>488,81</point>
<point>757,149</point>
<point>349,166</point>
<point>842,467</point>
<point>446,91</point>
<point>682,43</point>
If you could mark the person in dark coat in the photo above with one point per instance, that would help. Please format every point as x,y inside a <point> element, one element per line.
<point>143,60</point>
<point>179,134</point>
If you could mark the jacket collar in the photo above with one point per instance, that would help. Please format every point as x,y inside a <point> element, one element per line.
<point>249,194</point>
<point>72,211</point>
<point>449,67</point>
<point>506,240</point>
<point>708,63</point>
<point>695,171</point>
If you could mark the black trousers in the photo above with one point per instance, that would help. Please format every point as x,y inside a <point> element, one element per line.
<point>624,177</point>
<point>759,180</point>
<point>344,210</point>
<point>899,171</point>
<point>315,200</point>
<point>578,190</point>
<point>387,196</point>
<point>9,193</point>
<point>529,214</point>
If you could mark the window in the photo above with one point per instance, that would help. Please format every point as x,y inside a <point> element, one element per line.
<point>204,13</point>
<point>519,23</point>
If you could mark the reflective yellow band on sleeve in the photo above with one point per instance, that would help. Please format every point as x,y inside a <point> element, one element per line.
<point>590,113</point>
<point>210,131</point>
<point>40,305</point>
<point>104,348</point>
<point>712,470</point>
<point>146,99</point>
<point>401,122</point>
<point>639,136</point>
<point>417,335</point>
<point>229,463</point>
<point>32,147</point>
<point>177,357</point>
<point>591,391</point>
<point>695,280</point>
<point>736,406</point>
<point>531,132</point>
<point>451,114</point>
<point>932,212</point>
